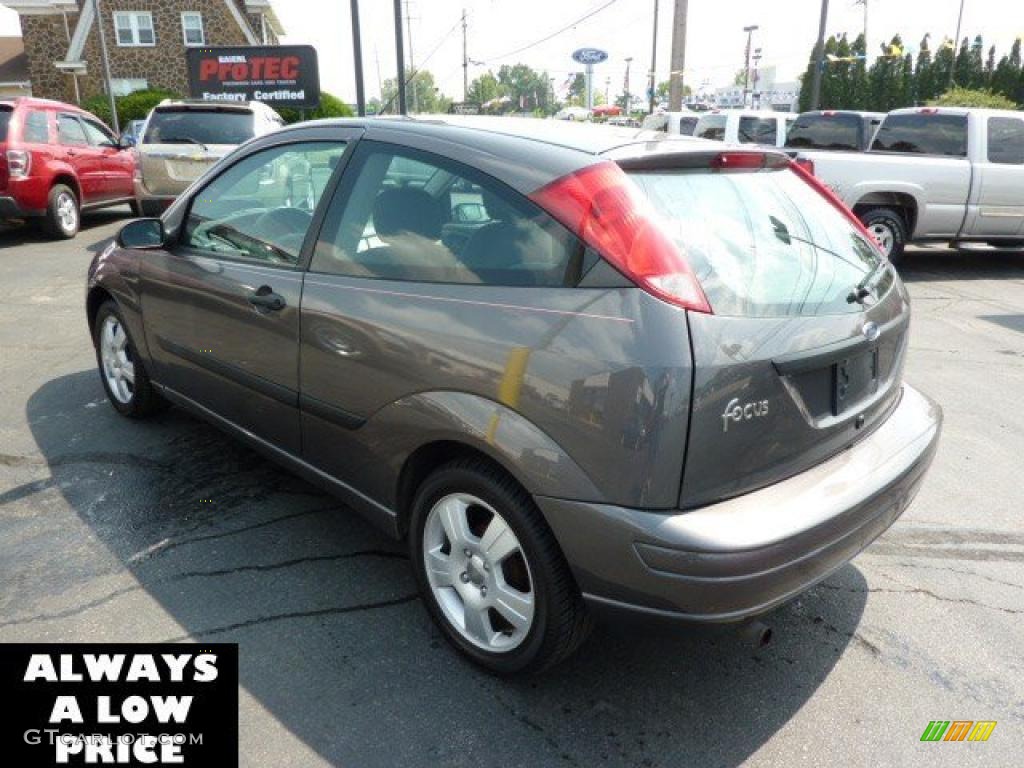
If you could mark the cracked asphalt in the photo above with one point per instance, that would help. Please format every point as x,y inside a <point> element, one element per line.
<point>112,530</point>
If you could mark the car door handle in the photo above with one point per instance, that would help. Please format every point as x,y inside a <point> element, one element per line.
<point>265,298</point>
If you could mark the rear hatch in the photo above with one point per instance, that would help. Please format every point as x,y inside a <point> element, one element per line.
<point>802,353</point>
<point>6,111</point>
<point>182,142</point>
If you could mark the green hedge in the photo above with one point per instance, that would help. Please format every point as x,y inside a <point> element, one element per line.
<point>330,106</point>
<point>134,106</point>
<point>966,97</point>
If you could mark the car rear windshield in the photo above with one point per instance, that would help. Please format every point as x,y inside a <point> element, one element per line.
<point>203,126</point>
<point>5,120</point>
<point>923,134</point>
<point>825,132</point>
<point>712,127</point>
<point>687,124</point>
<point>762,244</point>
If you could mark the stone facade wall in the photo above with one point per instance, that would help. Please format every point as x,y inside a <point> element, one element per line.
<point>162,65</point>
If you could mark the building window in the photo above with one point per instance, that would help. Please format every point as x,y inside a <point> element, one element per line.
<point>134,29</point>
<point>192,28</point>
<point>122,86</point>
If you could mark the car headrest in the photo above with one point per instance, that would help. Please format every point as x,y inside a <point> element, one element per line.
<point>407,210</point>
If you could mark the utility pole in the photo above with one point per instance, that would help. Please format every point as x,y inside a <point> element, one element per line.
<point>678,60</point>
<point>956,46</point>
<point>866,46</point>
<point>400,54</point>
<point>652,79</point>
<point>465,60</point>
<point>819,57</point>
<point>755,95</point>
<point>412,59</point>
<point>380,84</point>
<point>746,58</point>
<point>357,51</point>
<point>607,90</point>
<point>629,60</point>
<point>106,69</point>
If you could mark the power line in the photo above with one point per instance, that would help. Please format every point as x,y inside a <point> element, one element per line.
<point>566,28</point>
<point>423,63</point>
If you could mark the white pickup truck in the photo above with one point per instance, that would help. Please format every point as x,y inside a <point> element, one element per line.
<point>934,174</point>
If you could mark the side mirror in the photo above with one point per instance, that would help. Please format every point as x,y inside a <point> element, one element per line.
<point>142,234</point>
<point>126,142</point>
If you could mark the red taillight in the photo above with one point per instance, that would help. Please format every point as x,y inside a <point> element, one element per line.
<point>839,205</point>
<point>806,163</point>
<point>928,111</point>
<point>19,163</point>
<point>829,113</point>
<point>606,210</point>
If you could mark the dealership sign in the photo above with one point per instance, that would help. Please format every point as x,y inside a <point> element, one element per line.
<point>280,75</point>
<point>589,55</point>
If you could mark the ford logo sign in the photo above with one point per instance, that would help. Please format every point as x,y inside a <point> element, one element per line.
<point>589,55</point>
<point>870,331</point>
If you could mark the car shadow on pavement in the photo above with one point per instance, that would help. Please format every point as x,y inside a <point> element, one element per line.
<point>334,643</point>
<point>934,264</point>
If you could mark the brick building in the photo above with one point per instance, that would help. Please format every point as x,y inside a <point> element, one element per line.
<point>146,40</point>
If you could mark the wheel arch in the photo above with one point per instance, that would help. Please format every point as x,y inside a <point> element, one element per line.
<point>96,298</point>
<point>902,202</point>
<point>68,179</point>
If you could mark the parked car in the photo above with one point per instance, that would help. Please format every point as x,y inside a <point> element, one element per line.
<point>573,113</point>
<point>672,123</point>
<point>132,133</point>
<point>184,139</point>
<point>577,370</point>
<point>744,126</point>
<point>833,130</point>
<point>934,174</point>
<point>57,160</point>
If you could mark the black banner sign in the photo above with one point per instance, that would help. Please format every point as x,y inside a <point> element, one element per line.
<point>119,704</point>
<point>279,76</point>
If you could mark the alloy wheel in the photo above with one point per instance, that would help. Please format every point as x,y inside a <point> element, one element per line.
<point>67,212</point>
<point>115,355</point>
<point>883,235</point>
<point>478,573</point>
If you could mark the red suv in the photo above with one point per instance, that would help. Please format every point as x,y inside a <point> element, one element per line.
<point>57,160</point>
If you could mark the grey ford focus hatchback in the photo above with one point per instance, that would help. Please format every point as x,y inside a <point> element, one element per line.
<point>579,370</point>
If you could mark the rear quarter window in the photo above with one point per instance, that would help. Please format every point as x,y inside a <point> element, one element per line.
<point>923,134</point>
<point>835,132</point>
<point>1006,141</point>
<point>711,128</point>
<point>36,129</point>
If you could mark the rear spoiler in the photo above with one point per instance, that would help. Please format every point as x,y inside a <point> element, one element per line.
<point>730,160</point>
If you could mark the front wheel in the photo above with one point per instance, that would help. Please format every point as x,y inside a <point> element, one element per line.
<point>122,372</point>
<point>491,573</point>
<point>889,230</point>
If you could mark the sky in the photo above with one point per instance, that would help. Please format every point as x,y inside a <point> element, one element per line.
<point>715,39</point>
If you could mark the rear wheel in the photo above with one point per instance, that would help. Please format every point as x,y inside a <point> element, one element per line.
<point>122,371</point>
<point>491,573</point>
<point>889,229</point>
<point>136,207</point>
<point>62,213</point>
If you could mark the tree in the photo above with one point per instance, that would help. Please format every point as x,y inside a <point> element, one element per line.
<point>968,97</point>
<point>578,90</point>
<point>133,106</point>
<point>924,73</point>
<point>887,78</point>
<point>1008,73</point>
<point>330,106</point>
<point>428,98</point>
<point>484,88</point>
<point>527,88</point>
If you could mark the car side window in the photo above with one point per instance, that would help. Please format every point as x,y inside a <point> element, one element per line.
<point>97,134</point>
<point>756,130</point>
<point>401,214</point>
<point>36,129</point>
<point>261,208</point>
<point>1006,140</point>
<point>70,131</point>
<point>711,128</point>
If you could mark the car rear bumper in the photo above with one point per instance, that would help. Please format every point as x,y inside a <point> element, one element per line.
<point>12,209</point>
<point>741,557</point>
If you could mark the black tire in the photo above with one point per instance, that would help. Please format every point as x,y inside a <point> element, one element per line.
<point>136,207</point>
<point>894,222</point>
<point>561,622</point>
<point>53,224</point>
<point>144,400</point>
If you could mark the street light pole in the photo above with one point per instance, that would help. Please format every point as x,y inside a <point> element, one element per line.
<point>746,70</point>
<point>357,50</point>
<point>629,60</point>
<point>956,45</point>
<point>652,81</point>
<point>819,57</point>
<point>106,69</point>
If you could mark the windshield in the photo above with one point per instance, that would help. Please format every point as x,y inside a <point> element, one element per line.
<point>202,126</point>
<point>841,132</point>
<point>5,119</point>
<point>763,244</point>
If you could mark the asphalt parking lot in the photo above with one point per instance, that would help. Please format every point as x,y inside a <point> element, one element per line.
<point>112,530</point>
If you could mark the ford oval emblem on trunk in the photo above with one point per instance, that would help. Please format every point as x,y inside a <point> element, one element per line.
<point>870,331</point>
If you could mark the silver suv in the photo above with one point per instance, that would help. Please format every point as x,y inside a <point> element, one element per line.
<point>181,140</point>
<point>579,371</point>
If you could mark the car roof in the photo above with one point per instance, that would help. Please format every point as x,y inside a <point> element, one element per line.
<point>958,111</point>
<point>238,106</point>
<point>32,101</point>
